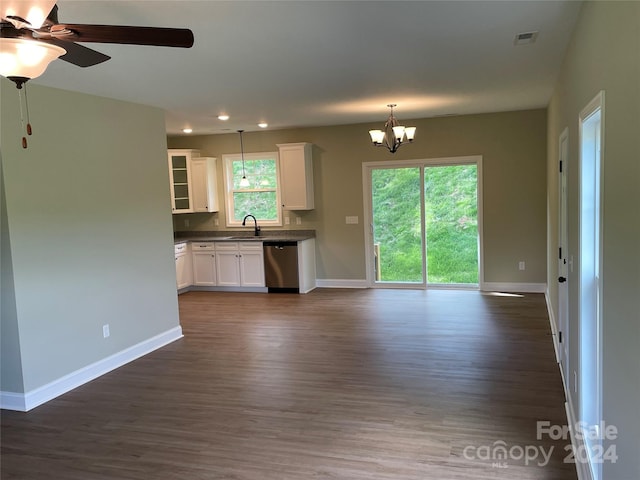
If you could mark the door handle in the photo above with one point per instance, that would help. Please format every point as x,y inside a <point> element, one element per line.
<point>562,279</point>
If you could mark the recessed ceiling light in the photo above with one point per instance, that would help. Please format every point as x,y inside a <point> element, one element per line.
<point>263,124</point>
<point>223,117</point>
<point>187,130</point>
<point>525,38</point>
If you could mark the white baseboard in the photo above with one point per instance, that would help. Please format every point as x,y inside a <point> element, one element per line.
<point>337,283</point>
<point>485,286</point>
<point>553,324</point>
<point>513,287</point>
<point>12,401</point>
<point>24,402</point>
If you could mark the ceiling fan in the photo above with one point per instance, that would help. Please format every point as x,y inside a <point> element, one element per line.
<point>31,37</point>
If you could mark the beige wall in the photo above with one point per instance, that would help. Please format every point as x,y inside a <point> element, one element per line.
<point>604,54</point>
<point>86,233</point>
<point>513,147</point>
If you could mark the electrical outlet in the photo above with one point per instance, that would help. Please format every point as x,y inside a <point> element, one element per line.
<point>298,221</point>
<point>521,266</point>
<point>186,222</point>
<point>351,220</point>
<point>216,222</point>
<point>287,220</point>
<point>105,331</point>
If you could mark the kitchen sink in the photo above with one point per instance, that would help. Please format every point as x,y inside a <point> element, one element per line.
<point>250,238</point>
<point>240,237</point>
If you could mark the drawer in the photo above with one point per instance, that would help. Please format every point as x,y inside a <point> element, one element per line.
<point>248,246</point>
<point>180,248</point>
<point>222,246</point>
<point>202,246</point>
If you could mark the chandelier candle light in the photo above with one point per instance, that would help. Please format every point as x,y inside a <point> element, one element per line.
<point>393,134</point>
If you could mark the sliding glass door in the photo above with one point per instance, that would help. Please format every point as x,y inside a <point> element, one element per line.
<point>397,225</point>
<point>451,224</point>
<point>424,224</point>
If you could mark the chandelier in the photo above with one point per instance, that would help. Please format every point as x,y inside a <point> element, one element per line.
<point>393,135</point>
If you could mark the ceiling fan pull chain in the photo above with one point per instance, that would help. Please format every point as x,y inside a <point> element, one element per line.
<point>24,139</point>
<point>26,105</point>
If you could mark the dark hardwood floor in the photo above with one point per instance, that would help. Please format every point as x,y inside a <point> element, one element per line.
<point>336,384</point>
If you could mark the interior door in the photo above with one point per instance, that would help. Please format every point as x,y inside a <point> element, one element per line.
<point>562,337</point>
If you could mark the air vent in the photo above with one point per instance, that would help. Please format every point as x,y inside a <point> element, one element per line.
<point>525,38</point>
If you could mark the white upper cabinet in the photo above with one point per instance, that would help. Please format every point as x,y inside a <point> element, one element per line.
<point>204,183</point>
<point>180,180</point>
<point>193,182</point>
<point>296,176</point>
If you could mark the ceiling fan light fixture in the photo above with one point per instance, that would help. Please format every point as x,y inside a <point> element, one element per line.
<point>21,13</point>
<point>26,59</point>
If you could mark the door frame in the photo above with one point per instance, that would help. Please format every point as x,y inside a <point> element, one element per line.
<point>367,167</point>
<point>596,105</point>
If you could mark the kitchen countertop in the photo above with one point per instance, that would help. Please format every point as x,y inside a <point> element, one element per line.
<point>244,236</point>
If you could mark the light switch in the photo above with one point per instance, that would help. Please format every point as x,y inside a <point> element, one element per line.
<point>351,220</point>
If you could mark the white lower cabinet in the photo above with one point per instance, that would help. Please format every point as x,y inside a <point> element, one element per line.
<point>204,264</point>
<point>184,276</point>
<point>225,264</point>
<point>240,264</point>
<point>251,264</point>
<point>235,266</point>
<point>228,265</point>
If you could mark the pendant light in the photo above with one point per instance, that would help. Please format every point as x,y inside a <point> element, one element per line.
<point>244,183</point>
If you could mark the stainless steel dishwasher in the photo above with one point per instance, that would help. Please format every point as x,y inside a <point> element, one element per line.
<point>281,266</point>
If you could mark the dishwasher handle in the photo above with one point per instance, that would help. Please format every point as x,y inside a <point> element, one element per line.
<point>284,243</point>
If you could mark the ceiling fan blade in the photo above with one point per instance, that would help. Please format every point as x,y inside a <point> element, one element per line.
<point>78,54</point>
<point>31,13</point>
<point>161,37</point>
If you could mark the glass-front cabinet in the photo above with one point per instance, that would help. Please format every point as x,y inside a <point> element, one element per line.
<point>180,179</point>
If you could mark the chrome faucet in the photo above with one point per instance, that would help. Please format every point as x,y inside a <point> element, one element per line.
<point>256,230</point>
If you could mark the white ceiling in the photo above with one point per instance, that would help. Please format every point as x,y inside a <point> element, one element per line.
<point>309,63</point>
